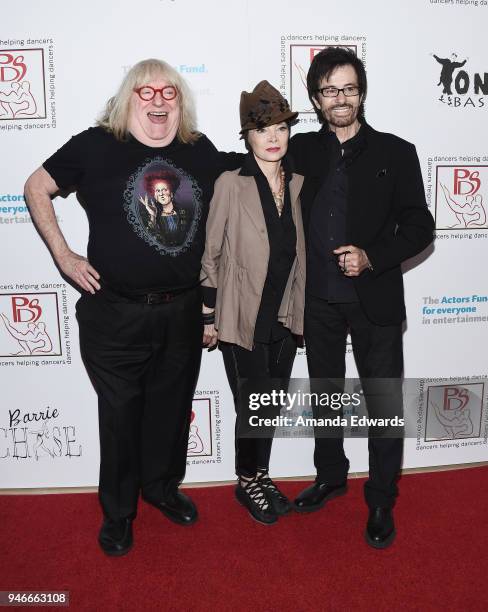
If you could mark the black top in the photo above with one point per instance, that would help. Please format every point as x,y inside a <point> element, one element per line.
<point>282,238</point>
<point>326,229</point>
<point>132,244</point>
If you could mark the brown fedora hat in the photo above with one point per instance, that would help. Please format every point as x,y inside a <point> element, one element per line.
<point>263,106</point>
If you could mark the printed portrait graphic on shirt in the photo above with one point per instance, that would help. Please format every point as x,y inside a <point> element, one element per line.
<point>163,205</point>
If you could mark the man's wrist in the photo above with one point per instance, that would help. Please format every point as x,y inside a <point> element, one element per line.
<point>369,265</point>
<point>60,252</point>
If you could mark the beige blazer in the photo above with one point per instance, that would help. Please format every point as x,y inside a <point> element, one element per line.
<point>236,259</point>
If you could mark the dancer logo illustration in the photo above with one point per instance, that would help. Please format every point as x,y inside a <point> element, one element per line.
<point>200,438</point>
<point>29,325</point>
<point>22,84</point>
<point>460,88</point>
<point>454,411</point>
<point>459,200</point>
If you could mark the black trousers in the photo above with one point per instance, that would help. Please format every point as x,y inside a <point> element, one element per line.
<point>143,360</point>
<point>273,360</point>
<point>379,355</point>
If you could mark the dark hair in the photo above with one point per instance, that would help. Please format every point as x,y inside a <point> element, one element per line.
<point>245,135</point>
<point>324,64</point>
<point>162,175</point>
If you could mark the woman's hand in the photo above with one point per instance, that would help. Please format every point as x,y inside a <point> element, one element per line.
<point>209,336</point>
<point>151,209</point>
<point>209,331</point>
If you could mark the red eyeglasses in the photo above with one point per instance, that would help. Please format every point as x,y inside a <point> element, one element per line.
<point>147,92</point>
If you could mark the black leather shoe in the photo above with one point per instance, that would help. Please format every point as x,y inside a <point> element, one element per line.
<point>380,529</point>
<point>316,496</point>
<point>253,497</point>
<point>115,537</point>
<point>178,507</point>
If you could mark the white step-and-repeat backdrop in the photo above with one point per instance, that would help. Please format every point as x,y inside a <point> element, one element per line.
<point>427,64</point>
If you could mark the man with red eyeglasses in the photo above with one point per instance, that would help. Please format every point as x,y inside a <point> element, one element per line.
<point>139,314</point>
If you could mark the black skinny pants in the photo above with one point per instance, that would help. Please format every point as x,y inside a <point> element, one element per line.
<point>273,360</point>
<point>378,354</point>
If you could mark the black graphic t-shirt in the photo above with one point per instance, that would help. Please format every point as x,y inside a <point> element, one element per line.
<point>147,207</point>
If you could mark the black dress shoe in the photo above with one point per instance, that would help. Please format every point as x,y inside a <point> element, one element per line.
<point>253,497</point>
<point>178,507</point>
<point>316,496</point>
<point>115,537</point>
<point>380,529</point>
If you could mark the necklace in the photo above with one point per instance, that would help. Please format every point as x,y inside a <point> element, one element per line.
<point>279,196</point>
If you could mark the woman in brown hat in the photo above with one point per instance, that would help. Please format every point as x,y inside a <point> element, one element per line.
<point>253,277</point>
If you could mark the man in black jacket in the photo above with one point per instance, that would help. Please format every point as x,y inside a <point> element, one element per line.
<point>364,214</point>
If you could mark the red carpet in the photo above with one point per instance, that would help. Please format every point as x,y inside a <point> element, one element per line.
<point>229,562</point>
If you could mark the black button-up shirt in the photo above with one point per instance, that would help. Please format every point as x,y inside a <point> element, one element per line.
<point>327,226</point>
<point>282,238</point>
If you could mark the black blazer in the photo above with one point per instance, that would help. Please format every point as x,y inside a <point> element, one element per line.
<point>387,214</point>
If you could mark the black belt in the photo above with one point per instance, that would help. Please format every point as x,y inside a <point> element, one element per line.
<point>156,297</point>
